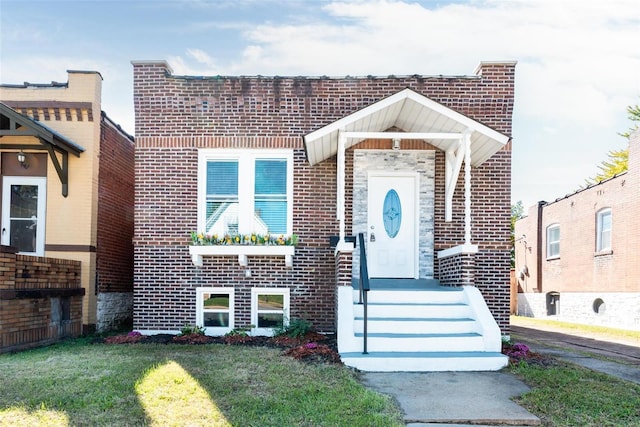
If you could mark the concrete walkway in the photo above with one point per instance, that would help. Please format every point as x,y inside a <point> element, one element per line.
<point>454,398</point>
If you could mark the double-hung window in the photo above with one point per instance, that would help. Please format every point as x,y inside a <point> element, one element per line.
<point>603,234</point>
<point>215,310</point>
<point>553,241</point>
<point>269,309</point>
<point>245,191</point>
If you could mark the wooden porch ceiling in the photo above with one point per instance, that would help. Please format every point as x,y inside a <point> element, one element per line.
<point>416,115</point>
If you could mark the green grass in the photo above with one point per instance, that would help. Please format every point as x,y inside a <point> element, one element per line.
<point>593,330</point>
<point>564,394</point>
<point>76,383</point>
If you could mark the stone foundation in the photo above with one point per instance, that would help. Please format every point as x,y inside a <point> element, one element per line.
<point>615,310</point>
<point>115,311</point>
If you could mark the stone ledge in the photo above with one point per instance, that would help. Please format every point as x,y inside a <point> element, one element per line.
<point>9,294</point>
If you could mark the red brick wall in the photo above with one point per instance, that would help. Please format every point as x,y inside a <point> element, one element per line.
<point>28,288</point>
<point>579,268</point>
<point>175,116</point>
<point>115,210</point>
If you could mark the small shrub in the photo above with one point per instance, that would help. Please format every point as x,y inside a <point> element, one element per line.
<point>297,328</point>
<point>516,352</point>
<point>242,331</point>
<point>192,329</point>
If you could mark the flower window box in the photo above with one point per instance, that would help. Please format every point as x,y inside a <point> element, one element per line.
<point>197,252</point>
<point>242,246</point>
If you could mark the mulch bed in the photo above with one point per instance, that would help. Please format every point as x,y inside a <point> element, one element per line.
<point>311,348</point>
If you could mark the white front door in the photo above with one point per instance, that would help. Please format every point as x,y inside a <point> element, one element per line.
<point>392,235</point>
<point>23,213</point>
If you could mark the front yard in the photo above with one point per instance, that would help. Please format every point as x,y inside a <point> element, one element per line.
<point>77,383</point>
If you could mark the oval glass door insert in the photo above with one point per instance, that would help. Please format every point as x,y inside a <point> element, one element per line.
<point>392,213</point>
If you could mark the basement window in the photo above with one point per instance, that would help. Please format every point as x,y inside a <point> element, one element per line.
<point>269,309</point>
<point>215,310</point>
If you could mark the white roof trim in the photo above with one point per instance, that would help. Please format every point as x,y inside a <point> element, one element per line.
<point>419,116</point>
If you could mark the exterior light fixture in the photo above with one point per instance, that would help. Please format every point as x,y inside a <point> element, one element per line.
<point>396,144</point>
<point>22,159</point>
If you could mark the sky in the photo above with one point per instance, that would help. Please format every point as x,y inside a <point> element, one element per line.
<point>578,60</point>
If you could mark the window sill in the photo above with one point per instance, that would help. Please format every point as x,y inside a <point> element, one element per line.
<point>197,252</point>
<point>553,258</point>
<point>603,253</point>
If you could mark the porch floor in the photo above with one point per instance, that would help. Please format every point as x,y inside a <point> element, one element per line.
<point>405,284</point>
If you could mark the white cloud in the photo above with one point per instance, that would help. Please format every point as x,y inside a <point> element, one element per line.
<point>578,61</point>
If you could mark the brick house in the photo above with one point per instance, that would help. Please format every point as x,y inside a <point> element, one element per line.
<point>67,192</point>
<point>577,257</point>
<point>311,157</point>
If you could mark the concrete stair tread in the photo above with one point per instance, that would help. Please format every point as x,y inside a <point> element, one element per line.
<point>424,354</point>
<point>425,361</point>
<point>408,335</point>
<point>425,304</point>
<point>413,319</point>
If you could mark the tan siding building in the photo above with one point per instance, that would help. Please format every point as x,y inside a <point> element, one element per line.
<point>82,164</point>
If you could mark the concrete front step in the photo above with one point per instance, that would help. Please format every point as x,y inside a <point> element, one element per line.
<point>425,361</point>
<point>441,310</point>
<point>448,295</point>
<point>423,342</point>
<point>414,325</point>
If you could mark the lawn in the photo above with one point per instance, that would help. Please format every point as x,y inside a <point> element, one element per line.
<point>78,383</point>
<point>564,394</point>
<point>568,395</point>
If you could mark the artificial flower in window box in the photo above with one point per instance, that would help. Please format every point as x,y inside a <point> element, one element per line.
<point>242,245</point>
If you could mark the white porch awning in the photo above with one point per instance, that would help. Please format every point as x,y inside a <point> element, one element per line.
<point>413,113</point>
<point>418,117</point>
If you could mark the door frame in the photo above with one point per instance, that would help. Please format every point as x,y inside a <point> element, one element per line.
<point>5,219</point>
<point>416,210</point>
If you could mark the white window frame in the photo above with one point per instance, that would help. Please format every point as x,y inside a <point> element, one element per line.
<point>246,183</point>
<point>214,330</point>
<point>254,308</point>
<point>599,231</point>
<point>41,183</point>
<point>550,242</point>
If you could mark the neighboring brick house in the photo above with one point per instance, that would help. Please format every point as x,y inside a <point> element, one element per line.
<point>577,257</point>
<point>300,156</point>
<point>76,165</point>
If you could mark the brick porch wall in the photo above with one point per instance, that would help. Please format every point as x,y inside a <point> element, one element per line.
<point>40,300</point>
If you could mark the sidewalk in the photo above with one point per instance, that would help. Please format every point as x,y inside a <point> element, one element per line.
<point>454,398</point>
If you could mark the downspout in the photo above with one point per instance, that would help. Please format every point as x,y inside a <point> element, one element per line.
<point>541,205</point>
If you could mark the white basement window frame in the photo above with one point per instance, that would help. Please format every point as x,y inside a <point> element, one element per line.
<point>261,309</point>
<point>244,197</point>
<point>208,315</point>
